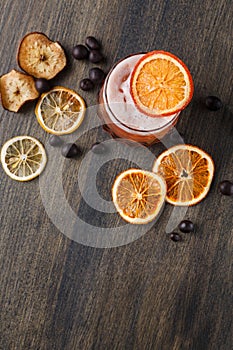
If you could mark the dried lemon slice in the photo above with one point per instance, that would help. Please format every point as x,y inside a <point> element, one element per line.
<point>40,57</point>
<point>60,111</point>
<point>23,158</point>
<point>16,88</point>
<point>188,172</point>
<point>138,195</point>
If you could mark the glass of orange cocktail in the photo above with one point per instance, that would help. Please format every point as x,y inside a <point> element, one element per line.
<point>143,95</point>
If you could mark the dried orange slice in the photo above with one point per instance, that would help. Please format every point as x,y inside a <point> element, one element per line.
<point>16,88</point>
<point>60,111</point>
<point>161,84</point>
<point>23,158</point>
<point>40,57</point>
<point>188,172</point>
<point>138,195</point>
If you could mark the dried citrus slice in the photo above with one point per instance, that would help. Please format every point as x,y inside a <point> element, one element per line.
<point>40,57</point>
<point>60,111</point>
<point>138,195</point>
<point>16,88</point>
<point>23,158</point>
<point>161,84</point>
<point>188,172</point>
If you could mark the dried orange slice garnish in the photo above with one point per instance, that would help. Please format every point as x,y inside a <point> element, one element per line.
<point>138,195</point>
<point>23,158</point>
<point>188,172</point>
<point>16,88</point>
<point>60,111</point>
<point>161,84</point>
<point>40,57</point>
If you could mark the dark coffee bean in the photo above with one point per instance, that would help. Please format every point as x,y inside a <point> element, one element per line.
<point>95,56</point>
<point>55,141</point>
<point>98,148</point>
<point>70,150</point>
<point>96,75</point>
<point>92,43</point>
<point>175,237</point>
<point>86,84</point>
<point>213,103</point>
<point>42,85</point>
<point>186,226</point>
<point>226,188</point>
<point>80,52</point>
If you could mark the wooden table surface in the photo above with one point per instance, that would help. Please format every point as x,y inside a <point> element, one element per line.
<point>152,293</point>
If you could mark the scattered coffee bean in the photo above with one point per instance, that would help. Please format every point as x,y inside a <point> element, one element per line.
<point>70,150</point>
<point>80,52</point>
<point>175,237</point>
<point>98,148</point>
<point>186,226</point>
<point>226,188</point>
<point>96,75</point>
<point>42,85</point>
<point>95,56</point>
<point>86,84</point>
<point>92,43</point>
<point>213,103</point>
<point>55,141</point>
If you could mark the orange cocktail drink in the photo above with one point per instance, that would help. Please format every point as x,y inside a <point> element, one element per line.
<point>120,101</point>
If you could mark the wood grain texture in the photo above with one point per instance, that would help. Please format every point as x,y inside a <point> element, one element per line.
<point>152,293</point>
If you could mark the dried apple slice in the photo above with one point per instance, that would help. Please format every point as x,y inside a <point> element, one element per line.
<point>40,57</point>
<point>17,88</point>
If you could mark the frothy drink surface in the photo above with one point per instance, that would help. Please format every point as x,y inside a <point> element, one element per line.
<point>121,102</point>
